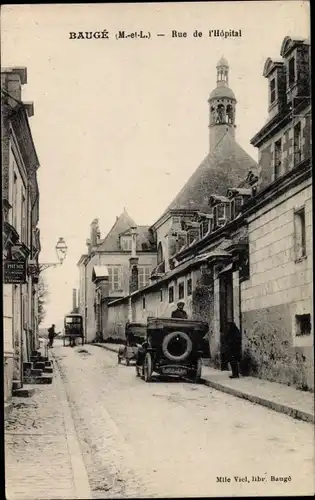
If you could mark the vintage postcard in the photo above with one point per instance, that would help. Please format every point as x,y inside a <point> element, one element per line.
<point>157,250</point>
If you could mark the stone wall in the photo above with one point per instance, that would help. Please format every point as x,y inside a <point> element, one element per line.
<point>280,286</point>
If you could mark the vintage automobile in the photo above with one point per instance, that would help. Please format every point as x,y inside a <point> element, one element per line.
<point>173,347</point>
<point>73,329</point>
<point>134,337</point>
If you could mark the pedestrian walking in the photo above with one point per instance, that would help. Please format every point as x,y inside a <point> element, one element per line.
<point>180,312</point>
<point>51,335</point>
<point>234,348</point>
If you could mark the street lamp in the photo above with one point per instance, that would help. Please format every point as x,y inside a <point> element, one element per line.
<point>61,251</point>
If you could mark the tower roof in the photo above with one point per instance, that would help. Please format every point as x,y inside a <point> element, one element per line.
<point>222,62</point>
<point>221,92</point>
<point>226,166</point>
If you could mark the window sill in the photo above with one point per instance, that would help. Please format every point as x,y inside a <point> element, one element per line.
<point>301,259</point>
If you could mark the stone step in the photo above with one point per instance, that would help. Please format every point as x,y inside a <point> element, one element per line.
<point>40,365</point>
<point>35,354</point>
<point>43,379</point>
<point>24,392</point>
<point>36,372</point>
<point>16,384</point>
<point>48,369</point>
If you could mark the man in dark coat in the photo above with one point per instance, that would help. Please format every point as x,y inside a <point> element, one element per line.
<point>51,335</point>
<point>234,348</point>
<point>179,312</point>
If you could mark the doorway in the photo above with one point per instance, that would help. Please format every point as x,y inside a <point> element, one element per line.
<point>226,313</point>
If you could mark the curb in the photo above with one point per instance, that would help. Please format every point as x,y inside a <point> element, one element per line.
<point>79,472</point>
<point>112,349</point>
<point>7,409</point>
<point>272,405</point>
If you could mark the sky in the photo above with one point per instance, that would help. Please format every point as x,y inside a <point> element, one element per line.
<point>124,123</point>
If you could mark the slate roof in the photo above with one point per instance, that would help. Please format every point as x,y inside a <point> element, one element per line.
<point>143,237</point>
<point>122,227</point>
<point>111,241</point>
<point>225,167</point>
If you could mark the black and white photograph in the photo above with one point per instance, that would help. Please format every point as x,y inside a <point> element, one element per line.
<point>158,337</point>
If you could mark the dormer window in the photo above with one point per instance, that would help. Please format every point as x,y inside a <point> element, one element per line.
<point>125,244</point>
<point>236,206</point>
<point>272,87</point>
<point>297,144</point>
<point>221,214</point>
<point>291,71</point>
<point>278,159</point>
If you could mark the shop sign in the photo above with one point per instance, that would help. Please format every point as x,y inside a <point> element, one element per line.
<point>14,272</point>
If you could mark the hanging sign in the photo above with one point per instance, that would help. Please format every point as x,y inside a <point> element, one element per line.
<point>14,272</point>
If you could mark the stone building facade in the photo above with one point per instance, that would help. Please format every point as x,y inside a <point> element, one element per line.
<point>277,302</point>
<point>236,243</point>
<point>106,269</point>
<point>21,241</point>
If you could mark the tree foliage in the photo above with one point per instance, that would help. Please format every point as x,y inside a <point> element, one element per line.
<point>43,294</point>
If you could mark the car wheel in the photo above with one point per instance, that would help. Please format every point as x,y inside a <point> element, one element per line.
<point>147,368</point>
<point>167,341</point>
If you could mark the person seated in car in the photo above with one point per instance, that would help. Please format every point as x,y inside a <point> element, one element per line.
<point>180,312</point>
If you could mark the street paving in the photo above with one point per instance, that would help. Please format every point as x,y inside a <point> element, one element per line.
<point>173,438</point>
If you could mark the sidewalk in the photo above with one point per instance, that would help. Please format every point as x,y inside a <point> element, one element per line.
<point>42,454</point>
<point>279,397</point>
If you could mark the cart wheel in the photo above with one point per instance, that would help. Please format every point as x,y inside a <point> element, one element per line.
<point>127,362</point>
<point>147,369</point>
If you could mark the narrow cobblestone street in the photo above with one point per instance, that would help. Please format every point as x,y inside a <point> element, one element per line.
<point>136,438</point>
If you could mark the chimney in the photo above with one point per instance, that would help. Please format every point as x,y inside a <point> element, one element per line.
<point>74,300</point>
<point>12,80</point>
<point>94,233</point>
<point>133,262</point>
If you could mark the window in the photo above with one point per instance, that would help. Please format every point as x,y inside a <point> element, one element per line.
<point>300,234</point>
<point>204,227</point>
<point>181,290</point>
<point>297,143</point>
<point>15,200</point>
<point>125,244</point>
<point>161,295</point>
<point>272,88</point>
<point>143,302</point>
<point>114,278</point>
<point>291,71</point>
<point>23,219</point>
<point>277,159</point>
<point>171,294</point>
<point>144,274</point>
<point>189,285</point>
<point>303,324</point>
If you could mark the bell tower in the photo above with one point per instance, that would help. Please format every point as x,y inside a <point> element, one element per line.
<point>222,105</point>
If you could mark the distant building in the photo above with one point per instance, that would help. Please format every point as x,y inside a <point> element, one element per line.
<point>236,242</point>
<point>21,242</point>
<point>190,242</point>
<point>106,271</point>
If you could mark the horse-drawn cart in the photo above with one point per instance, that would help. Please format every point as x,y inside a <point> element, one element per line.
<point>73,329</point>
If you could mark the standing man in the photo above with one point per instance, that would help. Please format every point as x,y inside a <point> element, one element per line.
<point>51,335</point>
<point>234,348</point>
<point>179,312</point>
